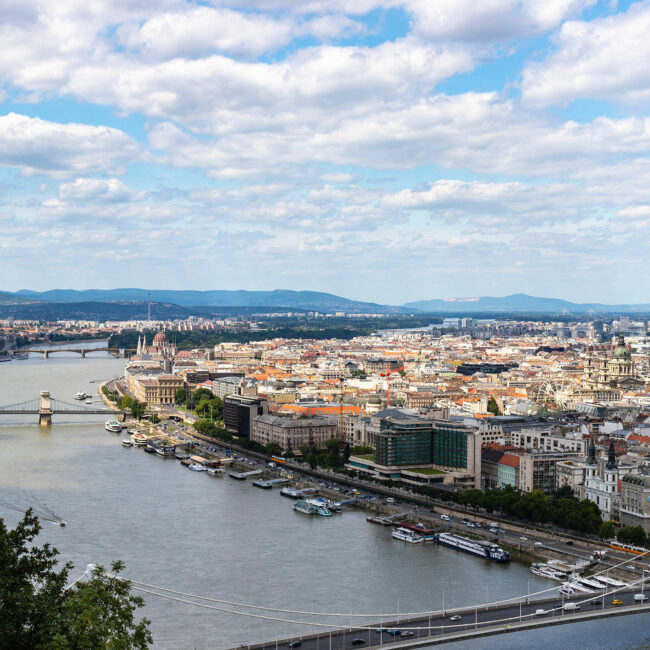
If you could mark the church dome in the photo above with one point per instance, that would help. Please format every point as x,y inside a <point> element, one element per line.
<point>160,339</point>
<point>621,351</point>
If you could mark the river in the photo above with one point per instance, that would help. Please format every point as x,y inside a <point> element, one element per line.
<point>224,539</point>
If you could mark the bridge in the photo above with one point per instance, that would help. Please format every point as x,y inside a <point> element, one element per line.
<point>118,352</point>
<point>46,406</point>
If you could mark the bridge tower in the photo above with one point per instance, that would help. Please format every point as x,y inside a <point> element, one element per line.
<point>45,409</point>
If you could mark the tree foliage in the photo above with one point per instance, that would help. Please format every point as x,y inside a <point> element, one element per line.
<point>37,612</point>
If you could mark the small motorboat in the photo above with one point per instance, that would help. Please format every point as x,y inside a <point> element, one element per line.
<point>125,442</point>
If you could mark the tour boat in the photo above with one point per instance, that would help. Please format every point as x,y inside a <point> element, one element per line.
<point>321,507</point>
<point>488,550</point>
<point>305,507</point>
<point>81,395</point>
<point>126,443</point>
<point>216,470</point>
<point>407,535</point>
<point>113,426</point>
<point>197,467</point>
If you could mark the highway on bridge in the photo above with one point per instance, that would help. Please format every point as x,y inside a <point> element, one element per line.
<point>474,621</point>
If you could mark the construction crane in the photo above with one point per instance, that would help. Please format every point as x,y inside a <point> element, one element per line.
<point>387,374</point>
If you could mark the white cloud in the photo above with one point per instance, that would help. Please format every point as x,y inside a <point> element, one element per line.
<point>490,20</point>
<point>40,146</point>
<point>93,189</point>
<point>199,31</point>
<point>605,58</point>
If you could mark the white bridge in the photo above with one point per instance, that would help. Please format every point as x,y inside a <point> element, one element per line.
<point>45,406</point>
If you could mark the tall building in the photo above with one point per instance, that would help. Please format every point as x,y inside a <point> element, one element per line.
<point>239,412</point>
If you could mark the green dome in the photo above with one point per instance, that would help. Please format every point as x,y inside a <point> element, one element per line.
<point>621,351</point>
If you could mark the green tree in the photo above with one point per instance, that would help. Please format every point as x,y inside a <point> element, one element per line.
<point>180,396</point>
<point>493,407</point>
<point>607,530</point>
<point>37,612</point>
<point>273,449</point>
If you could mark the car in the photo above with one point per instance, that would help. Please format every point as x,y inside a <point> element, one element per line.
<point>406,633</point>
<point>394,632</point>
<point>358,641</point>
<point>525,539</point>
<point>295,644</point>
<point>390,500</point>
<point>629,567</point>
<point>570,543</point>
<point>455,617</point>
<point>540,612</point>
<point>445,517</point>
<point>571,607</point>
<point>640,598</point>
<point>617,601</point>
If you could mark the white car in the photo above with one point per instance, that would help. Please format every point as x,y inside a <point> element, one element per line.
<point>525,539</point>
<point>456,617</point>
<point>629,567</point>
<point>445,517</point>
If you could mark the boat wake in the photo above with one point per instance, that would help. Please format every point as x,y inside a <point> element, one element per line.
<point>23,500</point>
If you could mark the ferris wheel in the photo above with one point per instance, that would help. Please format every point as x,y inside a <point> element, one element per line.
<point>554,392</point>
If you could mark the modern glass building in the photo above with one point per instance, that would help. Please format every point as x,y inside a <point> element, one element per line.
<point>403,442</point>
<point>449,444</point>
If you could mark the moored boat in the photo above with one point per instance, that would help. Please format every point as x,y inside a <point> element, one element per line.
<point>125,442</point>
<point>113,426</point>
<point>216,471</point>
<point>305,507</point>
<point>407,535</point>
<point>487,550</point>
<point>195,467</point>
<point>321,507</point>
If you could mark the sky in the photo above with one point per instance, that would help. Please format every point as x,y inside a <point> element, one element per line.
<point>388,150</point>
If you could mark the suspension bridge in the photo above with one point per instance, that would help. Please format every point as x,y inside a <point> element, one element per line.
<point>46,406</point>
<point>388,630</point>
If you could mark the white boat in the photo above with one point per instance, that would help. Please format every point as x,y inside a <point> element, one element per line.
<point>321,507</point>
<point>407,535</point>
<point>546,572</point>
<point>126,443</point>
<point>81,395</point>
<point>611,581</point>
<point>216,470</point>
<point>196,467</point>
<point>113,426</point>
<point>302,506</point>
<point>139,439</point>
<point>488,550</point>
<point>591,584</point>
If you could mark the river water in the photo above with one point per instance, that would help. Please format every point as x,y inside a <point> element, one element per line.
<point>224,539</point>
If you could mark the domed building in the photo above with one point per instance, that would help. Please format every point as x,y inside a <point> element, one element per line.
<point>615,371</point>
<point>160,340</point>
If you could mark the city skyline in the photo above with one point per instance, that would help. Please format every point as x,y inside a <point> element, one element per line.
<point>395,152</point>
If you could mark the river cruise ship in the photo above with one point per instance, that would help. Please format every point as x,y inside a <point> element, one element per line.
<point>305,507</point>
<point>488,550</point>
<point>113,426</point>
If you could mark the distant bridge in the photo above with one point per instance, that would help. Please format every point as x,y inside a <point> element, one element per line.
<point>46,406</point>
<point>118,352</point>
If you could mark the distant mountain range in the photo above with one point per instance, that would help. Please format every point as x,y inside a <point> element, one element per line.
<point>309,300</point>
<point>519,302</point>
<point>178,303</point>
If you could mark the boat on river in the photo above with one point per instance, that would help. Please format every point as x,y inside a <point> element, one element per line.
<point>139,439</point>
<point>321,507</point>
<point>113,426</point>
<point>305,507</point>
<point>487,550</point>
<point>216,471</point>
<point>125,442</point>
<point>196,467</point>
<point>407,535</point>
<point>82,396</point>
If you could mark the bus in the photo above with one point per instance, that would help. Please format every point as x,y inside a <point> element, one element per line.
<point>278,459</point>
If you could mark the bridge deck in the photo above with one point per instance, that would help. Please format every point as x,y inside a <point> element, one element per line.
<point>474,622</point>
